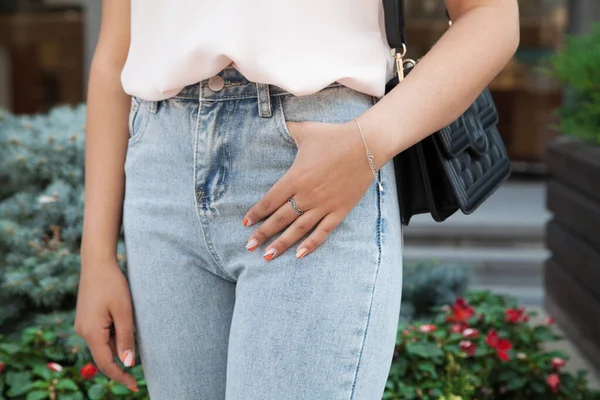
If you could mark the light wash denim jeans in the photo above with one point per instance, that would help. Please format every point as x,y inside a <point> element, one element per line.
<point>215,321</point>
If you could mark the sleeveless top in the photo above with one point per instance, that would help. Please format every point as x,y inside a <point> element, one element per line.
<point>299,45</point>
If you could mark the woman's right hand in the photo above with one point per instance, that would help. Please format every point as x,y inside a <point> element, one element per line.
<point>103,300</point>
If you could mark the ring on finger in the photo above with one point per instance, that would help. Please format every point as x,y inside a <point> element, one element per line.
<point>297,210</point>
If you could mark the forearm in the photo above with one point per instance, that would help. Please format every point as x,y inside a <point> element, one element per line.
<point>446,81</point>
<point>106,145</point>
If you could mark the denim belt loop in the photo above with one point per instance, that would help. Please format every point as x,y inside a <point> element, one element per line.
<point>264,100</point>
<point>153,107</point>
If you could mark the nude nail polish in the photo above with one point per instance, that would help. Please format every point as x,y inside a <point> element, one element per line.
<point>127,358</point>
<point>269,254</point>
<point>252,244</point>
<point>301,252</point>
<point>247,222</point>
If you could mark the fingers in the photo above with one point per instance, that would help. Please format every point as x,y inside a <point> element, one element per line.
<point>103,356</point>
<point>279,193</point>
<point>124,334</point>
<point>300,227</point>
<point>318,236</point>
<point>278,221</point>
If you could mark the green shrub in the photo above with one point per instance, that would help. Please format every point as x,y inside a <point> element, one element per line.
<point>578,66</point>
<point>481,348</point>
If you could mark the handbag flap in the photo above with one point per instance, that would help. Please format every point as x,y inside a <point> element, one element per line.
<point>468,132</point>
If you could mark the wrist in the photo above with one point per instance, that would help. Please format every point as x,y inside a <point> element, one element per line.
<point>377,141</point>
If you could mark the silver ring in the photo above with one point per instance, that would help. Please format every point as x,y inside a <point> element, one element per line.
<point>294,206</point>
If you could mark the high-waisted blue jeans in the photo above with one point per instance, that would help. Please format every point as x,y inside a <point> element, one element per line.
<point>215,321</point>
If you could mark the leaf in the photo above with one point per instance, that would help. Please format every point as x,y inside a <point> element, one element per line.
<point>539,387</point>
<point>40,385</point>
<point>37,395</point>
<point>516,384</point>
<point>544,334</point>
<point>428,367</point>
<point>119,389</point>
<point>17,378</point>
<point>49,336</point>
<point>97,391</point>
<point>54,354</point>
<point>67,384</point>
<point>71,396</point>
<point>10,348</point>
<point>424,350</point>
<point>20,390</point>
<point>42,371</point>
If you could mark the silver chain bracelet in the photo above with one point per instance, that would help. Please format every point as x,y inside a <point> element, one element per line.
<point>370,157</point>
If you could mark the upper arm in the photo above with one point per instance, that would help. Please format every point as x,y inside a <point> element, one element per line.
<point>113,43</point>
<point>456,8</point>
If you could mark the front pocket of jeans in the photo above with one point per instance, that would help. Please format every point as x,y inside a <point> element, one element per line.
<point>137,119</point>
<point>282,122</point>
<point>335,105</point>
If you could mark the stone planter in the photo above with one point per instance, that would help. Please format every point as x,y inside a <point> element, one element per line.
<point>572,274</point>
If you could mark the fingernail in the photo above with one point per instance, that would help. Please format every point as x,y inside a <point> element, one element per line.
<point>252,244</point>
<point>133,388</point>
<point>301,252</point>
<point>269,254</point>
<point>247,222</point>
<point>127,358</point>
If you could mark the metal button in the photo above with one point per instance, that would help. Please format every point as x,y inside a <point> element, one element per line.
<point>216,83</point>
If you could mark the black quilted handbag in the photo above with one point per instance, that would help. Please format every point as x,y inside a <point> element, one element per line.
<point>456,168</point>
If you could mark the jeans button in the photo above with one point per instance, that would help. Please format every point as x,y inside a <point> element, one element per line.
<point>216,83</point>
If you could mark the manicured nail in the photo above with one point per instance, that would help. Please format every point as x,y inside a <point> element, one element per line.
<point>127,358</point>
<point>252,244</point>
<point>301,252</point>
<point>133,388</point>
<point>269,254</point>
<point>247,222</point>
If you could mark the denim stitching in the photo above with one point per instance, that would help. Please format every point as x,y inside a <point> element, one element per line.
<point>201,222</point>
<point>139,112</point>
<point>282,127</point>
<point>225,184</point>
<point>362,346</point>
<point>379,240</point>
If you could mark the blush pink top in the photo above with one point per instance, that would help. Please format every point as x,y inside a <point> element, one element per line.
<point>299,45</point>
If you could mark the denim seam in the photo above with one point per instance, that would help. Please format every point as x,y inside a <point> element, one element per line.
<point>201,222</point>
<point>138,112</point>
<point>225,184</point>
<point>379,233</point>
<point>282,127</point>
<point>248,95</point>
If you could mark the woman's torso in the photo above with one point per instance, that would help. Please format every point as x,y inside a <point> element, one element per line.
<point>298,45</point>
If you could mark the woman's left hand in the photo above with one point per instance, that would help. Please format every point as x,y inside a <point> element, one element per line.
<point>327,179</point>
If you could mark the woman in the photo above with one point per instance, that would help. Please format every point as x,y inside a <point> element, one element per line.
<point>219,130</point>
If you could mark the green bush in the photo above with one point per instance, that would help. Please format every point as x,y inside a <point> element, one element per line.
<point>578,66</point>
<point>481,348</point>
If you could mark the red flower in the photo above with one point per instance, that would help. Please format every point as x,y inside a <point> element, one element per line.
<point>427,328</point>
<point>468,347</point>
<point>54,366</point>
<point>461,310</point>
<point>458,327</point>
<point>514,315</point>
<point>88,371</point>
<point>502,346</point>
<point>557,363</point>
<point>2,366</point>
<point>554,382</point>
<point>550,321</point>
<point>470,333</point>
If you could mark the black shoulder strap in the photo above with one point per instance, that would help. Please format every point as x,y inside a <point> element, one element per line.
<point>395,25</point>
